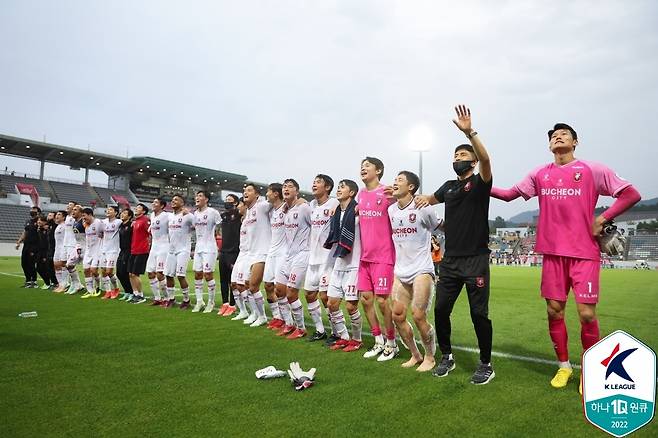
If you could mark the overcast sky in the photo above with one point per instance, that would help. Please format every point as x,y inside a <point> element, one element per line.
<point>293,88</point>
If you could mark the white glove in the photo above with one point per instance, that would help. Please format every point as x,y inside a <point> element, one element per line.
<point>269,373</point>
<point>301,379</point>
<point>611,241</point>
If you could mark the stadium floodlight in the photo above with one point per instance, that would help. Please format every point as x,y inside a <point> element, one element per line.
<point>61,152</point>
<point>91,158</point>
<point>118,162</point>
<point>420,140</point>
<point>27,146</point>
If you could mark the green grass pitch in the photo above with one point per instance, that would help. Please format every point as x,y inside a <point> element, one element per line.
<point>97,368</point>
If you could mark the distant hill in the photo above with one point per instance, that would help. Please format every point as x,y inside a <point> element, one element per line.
<point>526,216</point>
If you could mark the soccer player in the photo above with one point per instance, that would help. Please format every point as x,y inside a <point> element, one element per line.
<point>290,278</point>
<point>139,252</point>
<point>92,257</point>
<point>568,189</point>
<point>230,226</point>
<point>320,261</point>
<point>240,272</point>
<point>155,264</point>
<point>377,257</point>
<point>181,224</point>
<point>257,224</point>
<point>276,255</point>
<point>206,220</point>
<point>344,235</point>
<point>73,235</point>
<point>466,259</point>
<point>110,252</point>
<point>414,271</point>
<point>59,258</point>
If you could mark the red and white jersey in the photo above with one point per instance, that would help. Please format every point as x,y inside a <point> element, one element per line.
<point>110,236</point>
<point>180,232</point>
<point>69,234</point>
<point>567,198</point>
<point>278,241</point>
<point>93,236</point>
<point>320,226</point>
<point>159,230</point>
<point>257,221</point>
<point>205,223</point>
<point>351,261</point>
<point>60,230</point>
<point>412,236</point>
<point>298,228</point>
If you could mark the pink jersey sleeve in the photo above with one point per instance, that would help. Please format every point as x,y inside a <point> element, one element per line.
<point>607,182</point>
<point>527,187</point>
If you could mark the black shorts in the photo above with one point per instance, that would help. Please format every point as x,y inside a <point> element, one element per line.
<point>137,264</point>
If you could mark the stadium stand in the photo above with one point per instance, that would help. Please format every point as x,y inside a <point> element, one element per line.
<point>642,246</point>
<point>81,193</point>
<point>8,183</point>
<point>112,197</point>
<point>13,221</point>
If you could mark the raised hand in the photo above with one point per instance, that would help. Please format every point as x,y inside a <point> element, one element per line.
<point>463,120</point>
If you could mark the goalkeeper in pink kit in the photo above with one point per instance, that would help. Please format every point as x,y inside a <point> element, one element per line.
<point>567,232</point>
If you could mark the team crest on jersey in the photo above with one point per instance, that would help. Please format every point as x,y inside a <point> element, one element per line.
<point>468,186</point>
<point>294,215</point>
<point>577,176</point>
<point>479,281</point>
<point>253,213</point>
<point>281,215</point>
<point>180,219</point>
<point>546,177</point>
<point>412,217</point>
<point>326,212</point>
<point>379,201</point>
<point>205,216</point>
<point>157,222</point>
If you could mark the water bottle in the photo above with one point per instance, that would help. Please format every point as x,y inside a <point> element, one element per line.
<point>28,315</point>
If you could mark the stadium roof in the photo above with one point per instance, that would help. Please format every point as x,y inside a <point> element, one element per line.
<point>64,155</point>
<point>158,167</point>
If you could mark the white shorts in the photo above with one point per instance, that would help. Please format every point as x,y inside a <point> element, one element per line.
<point>257,258</point>
<point>342,284</point>
<point>60,254</point>
<point>176,264</point>
<point>272,266</point>
<point>241,269</point>
<point>73,255</point>
<point>409,279</point>
<point>90,261</point>
<point>204,261</point>
<point>109,260</point>
<point>156,261</point>
<point>317,277</point>
<point>293,270</point>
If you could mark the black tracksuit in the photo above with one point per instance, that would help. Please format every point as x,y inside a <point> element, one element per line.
<point>229,253</point>
<point>125,239</point>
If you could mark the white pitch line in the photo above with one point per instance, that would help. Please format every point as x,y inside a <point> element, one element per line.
<point>10,274</point>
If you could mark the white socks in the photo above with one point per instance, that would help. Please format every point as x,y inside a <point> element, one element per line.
<point>198,290</point>
<point>211,290</point>
<point>284,309</point>
<point>274,308</point>
<point>316,315</point>
<point>155,288</point>
<point>259,303</point>
<point>357,325</point>
<point>338,320</point>
<point>298,314</point>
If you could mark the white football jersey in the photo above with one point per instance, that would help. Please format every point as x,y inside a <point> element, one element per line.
<point>93,236</point>
<point>298,228</point>
<point>244,239</point>
<point>205,223</point>
<point>278,242</point>
<point>320,226</point>
<point>60,231</point>
<point>69,234</point>
<point>180,232</point>
<point>110,235</point>
<point>412,235</point>
<point>159,230</point>
<point>350,261</point>
<point>257,221</point>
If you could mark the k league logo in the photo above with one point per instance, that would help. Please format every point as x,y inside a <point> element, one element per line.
<point>619,384</point>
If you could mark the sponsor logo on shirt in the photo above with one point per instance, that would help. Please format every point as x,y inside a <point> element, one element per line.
<point>370,213</point>
<point>559,193</point>
<point>401,231</point>
<point>319,222</point>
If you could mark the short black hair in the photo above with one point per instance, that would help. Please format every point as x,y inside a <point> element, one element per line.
<point>328,181</point>
<point>466,147</point>
<point>88,210</point>
<point>276,188</point>
<point>379,164</point>
<point>63,212</point>
<point>563,126</point>
<point>34,207</point>
<point>354,187</point>
<point>114,207</point>
<point>42,218</point>
<point>144,207</point>
<point>412,178</point>
<point>291,181</point>
<point>256,188</point>
<point>130,212</point>
<point>161,201</point>
<point>205,193</point>
<point>178,195</point>
<point>236,199</point>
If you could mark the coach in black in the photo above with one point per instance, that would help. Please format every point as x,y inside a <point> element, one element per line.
<point>230,226</point>
<point>466,258</point>
<point>30,240</point>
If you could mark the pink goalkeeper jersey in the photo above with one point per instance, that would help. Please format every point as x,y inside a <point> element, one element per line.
<point>567,198</point>
<point>375,226</point>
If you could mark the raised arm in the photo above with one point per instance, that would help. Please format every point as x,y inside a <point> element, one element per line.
<point>463,122</point>
<point>506,195</point>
